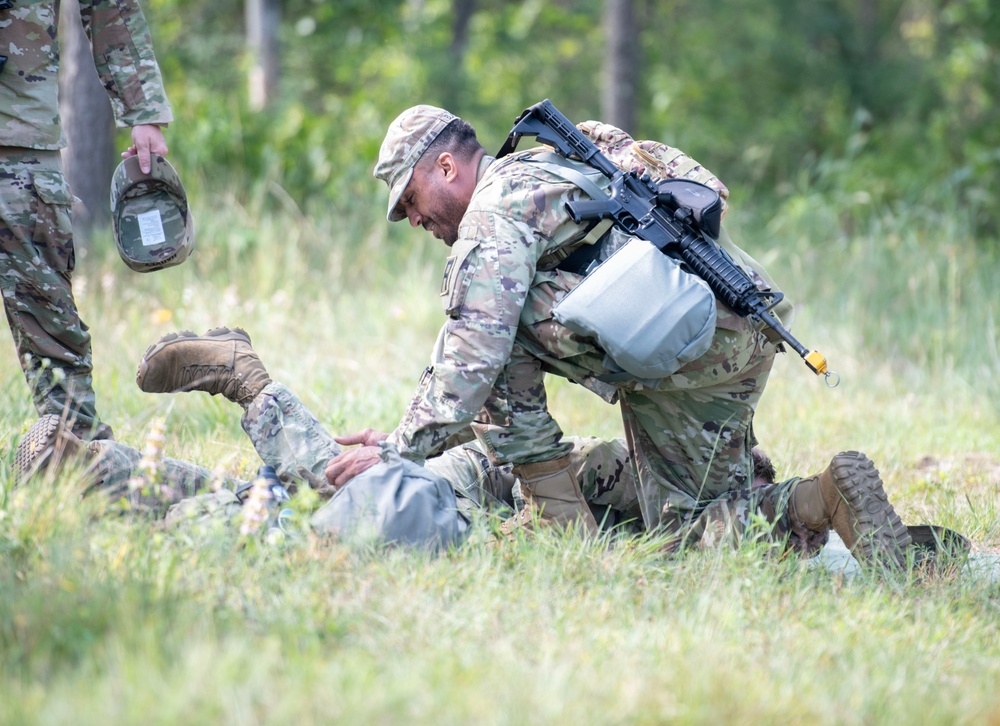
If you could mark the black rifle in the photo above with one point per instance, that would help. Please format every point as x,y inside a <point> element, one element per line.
<point>643,208</point>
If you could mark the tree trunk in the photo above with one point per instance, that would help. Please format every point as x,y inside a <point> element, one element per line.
<point>89,157</point>
<point>450,78</point>
<point>262,20</point>
<point>463,11</point>
<point>621,65</point>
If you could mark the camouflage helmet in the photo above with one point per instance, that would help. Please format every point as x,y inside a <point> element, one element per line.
<point>152,222</point>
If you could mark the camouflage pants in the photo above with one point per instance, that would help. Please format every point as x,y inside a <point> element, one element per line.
<point>757,513</point>
<point>289,438</point>
<point>283,432</point>
<point>123,474</point>
<point>601,466</point>
<point>690,435</point>
<point>36,265</point>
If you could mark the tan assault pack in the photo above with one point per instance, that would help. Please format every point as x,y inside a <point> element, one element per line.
<point>655,158</point>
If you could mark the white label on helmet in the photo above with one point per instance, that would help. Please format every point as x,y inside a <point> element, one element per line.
<point>151,228</point>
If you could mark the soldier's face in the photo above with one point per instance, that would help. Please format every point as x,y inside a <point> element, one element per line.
<point>433,200</point>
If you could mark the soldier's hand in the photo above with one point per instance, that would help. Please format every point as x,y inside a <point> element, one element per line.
<point>368,437</point>
<point>348,464</point>
<point>147,140</point>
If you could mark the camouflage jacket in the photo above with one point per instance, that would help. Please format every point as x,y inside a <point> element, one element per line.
<point>514,224</point>
<point>503,274</point>
<point>29,88</point>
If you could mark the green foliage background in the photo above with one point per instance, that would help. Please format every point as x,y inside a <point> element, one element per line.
<point>860,141</point>
<point>894,100</point>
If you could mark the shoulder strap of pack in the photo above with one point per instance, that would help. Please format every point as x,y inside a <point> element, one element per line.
<point>565,169</point>
<point>568,170</point>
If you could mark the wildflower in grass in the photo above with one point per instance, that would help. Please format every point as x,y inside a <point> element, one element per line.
<point>218,479</point>
<point>255,508</point>
<point>149,473</point>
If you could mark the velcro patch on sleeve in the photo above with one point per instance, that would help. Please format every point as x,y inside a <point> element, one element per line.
<point>454,282</point>
<point>449,267</point>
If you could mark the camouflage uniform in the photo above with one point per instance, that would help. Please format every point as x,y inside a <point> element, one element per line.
<point>289,438</point>
<point>284,433</point>
<point>690,435</point>
<point>36,236</point>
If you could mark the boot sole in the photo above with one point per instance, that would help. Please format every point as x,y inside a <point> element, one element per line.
<point>881,534</point>
<point>180,336</point>
<point>41,445</point>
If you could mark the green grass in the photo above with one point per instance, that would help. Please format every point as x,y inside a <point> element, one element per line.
<point>112,619</point>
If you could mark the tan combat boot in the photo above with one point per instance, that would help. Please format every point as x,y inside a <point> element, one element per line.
<point>46,445</point>
<point>220,361</point>
<point>551,496</point>
<point>848,497</point>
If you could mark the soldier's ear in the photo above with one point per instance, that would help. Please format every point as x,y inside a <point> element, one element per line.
<point>448,165</point>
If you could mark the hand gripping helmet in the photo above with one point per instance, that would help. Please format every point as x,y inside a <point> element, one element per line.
<point>152,222</point>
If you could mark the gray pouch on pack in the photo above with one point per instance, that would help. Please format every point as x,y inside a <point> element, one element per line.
<point>394,502</point>
<point>648,313</point>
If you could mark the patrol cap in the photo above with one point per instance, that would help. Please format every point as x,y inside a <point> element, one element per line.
<point>405,142</point>
<point>150,215</point>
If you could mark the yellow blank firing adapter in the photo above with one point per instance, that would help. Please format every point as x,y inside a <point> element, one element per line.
<point>817,364</point>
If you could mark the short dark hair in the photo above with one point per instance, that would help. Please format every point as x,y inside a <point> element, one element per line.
<point>458,137</point>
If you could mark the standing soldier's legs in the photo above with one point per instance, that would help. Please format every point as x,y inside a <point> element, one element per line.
<point>36,264</point>
<point>114,470</point>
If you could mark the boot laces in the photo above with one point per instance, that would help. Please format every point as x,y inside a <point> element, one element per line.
<point>215,379</point>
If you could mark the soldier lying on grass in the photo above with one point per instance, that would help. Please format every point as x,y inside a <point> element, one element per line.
<point>429,504</point>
